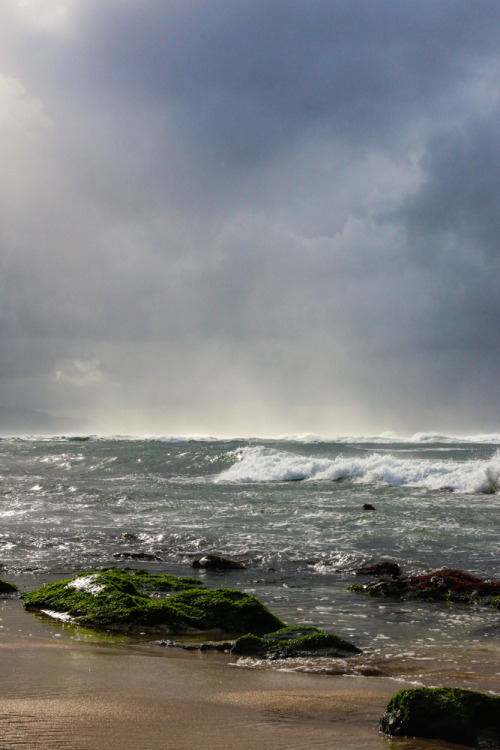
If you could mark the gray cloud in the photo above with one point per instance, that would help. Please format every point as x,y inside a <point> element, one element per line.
<point>250,217</point>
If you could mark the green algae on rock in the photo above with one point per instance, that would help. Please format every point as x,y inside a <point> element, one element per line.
<point>7,588</point>
<point>120,601</point>
<point>448,585</point>
<point>159,583</point>
<point>292,643</point>
<point>452,714</point>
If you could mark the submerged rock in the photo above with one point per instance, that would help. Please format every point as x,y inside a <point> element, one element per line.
<point>224,646</point>
<point>7,588</point>
<point>216,562</point>
<point>121,601</point>
<point>441,585</point>
<point>384,568</point>
<point>452,714</point>
<point>137,556</point>
<point>294,642</point>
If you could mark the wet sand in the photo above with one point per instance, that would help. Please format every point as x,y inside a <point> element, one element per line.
<point>81,696</point>
<point>60,692</point>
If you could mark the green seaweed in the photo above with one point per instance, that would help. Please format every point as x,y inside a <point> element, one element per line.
<point>147,583</point>
<point>225,609</point>
<point>275,646</point>
<point>249,645</point>
<point>7,588</point>
<point>118,600</point>
<point>289,632</point>
<point>452,714</point>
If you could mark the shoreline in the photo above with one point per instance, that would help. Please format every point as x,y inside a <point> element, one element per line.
<point>77,694</point>
<point>84,696</point>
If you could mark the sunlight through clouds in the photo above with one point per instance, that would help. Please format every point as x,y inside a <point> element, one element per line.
<point>19,112</point>
<point>47,14</point>
<point>259,215</point>
<point>80,372</point>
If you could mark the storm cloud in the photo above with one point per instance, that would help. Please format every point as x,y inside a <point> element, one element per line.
<point>260,217</point>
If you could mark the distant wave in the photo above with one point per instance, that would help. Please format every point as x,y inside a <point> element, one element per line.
<point>183,439</point>
<point>384,439</point>
<point>431,437</point>
<point>51,438</point>
<point>263,464</point>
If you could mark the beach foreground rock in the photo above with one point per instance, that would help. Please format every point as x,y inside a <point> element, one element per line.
<point>127,602</point>
<point>7,588</point>
<point>452,714</point>
<point>294,642</point>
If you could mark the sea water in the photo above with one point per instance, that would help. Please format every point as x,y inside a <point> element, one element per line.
<point>292,511</point>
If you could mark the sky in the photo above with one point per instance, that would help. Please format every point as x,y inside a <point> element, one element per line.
<point>261,217</point>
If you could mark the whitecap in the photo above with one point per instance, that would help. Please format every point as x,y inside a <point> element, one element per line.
<point>257,464</point>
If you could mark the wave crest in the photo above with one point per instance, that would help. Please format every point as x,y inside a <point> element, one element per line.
<point>260,464</point>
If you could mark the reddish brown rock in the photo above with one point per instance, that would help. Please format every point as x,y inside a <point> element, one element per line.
<point>446,584</point>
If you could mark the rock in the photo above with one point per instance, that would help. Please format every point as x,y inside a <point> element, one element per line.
<point>452,714</point>
<point>294,642</point>
<point>121,601</point>
<point>385,568</point>
<point>137,556</point>
<point>210,646</point>
<point>368,506</point>
<point>441,585</point>
<point>7,588</point>
<point>215,562</point>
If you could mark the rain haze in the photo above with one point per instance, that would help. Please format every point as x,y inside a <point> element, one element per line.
<point>261,217</point>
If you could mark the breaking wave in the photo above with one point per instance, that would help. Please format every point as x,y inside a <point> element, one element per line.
<point>260,464</point>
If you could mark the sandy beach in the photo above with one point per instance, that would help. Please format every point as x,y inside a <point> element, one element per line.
<point>60,692</point>
<point>81,696</point>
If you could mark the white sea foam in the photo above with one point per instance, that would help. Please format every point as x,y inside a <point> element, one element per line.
<point>432,437</point>
<point>63,616</point>
<point>87,584</point>
<point>263,464</point>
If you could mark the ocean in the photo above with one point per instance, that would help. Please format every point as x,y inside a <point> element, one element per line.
<point>292,511</point>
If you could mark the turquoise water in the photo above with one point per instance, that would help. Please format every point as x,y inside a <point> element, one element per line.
<point>291,510</point>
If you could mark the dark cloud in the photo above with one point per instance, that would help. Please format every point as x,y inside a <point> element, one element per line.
<point>460,197</point>
<point>250,217</point>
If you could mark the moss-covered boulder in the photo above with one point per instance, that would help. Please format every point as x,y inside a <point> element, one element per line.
<point>447,585</point>
<point>7,588</point>
<point>154,584</point>
<point>462,716</point>
<point>128,602</point>
<point>294,642</point>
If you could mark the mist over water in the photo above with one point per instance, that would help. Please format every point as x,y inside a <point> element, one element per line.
<point>291,510</point>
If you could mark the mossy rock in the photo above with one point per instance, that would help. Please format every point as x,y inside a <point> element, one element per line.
<point>147,583</point>
<point>120,601</point>
<point>227,610</point>
<point>7,588</point>
<point>292,643</point>
<point>452,714</point>
<point>445,585</point>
